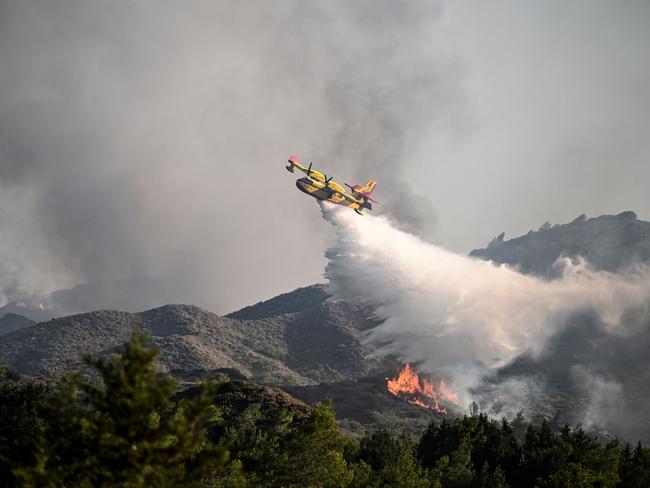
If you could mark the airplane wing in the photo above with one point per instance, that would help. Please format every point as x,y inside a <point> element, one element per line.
<point>349,197</point>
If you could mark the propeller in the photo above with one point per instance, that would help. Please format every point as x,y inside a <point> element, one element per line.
<point>326,185</point>
<point>309,169</point>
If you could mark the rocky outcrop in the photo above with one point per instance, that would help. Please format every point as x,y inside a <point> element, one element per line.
<point>609,242</point>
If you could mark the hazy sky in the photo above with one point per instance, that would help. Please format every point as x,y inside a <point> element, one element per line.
<point>149,137</point>
<point>560,94</point>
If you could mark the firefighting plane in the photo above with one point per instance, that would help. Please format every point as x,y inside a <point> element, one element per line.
<point>319,186</point>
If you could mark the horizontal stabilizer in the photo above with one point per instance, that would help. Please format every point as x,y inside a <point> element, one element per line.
<point>364,191</point>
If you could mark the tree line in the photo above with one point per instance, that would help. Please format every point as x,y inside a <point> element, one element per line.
<point>127,426</point>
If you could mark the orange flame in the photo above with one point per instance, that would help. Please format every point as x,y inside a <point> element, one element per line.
<point>447,394</point>
<point>420,391</point>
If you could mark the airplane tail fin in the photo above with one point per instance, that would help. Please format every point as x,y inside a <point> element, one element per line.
<point>368,188</point>
<point>363,192</point>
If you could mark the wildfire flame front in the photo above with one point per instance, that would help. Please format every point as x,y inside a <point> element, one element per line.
<point>420,391</point>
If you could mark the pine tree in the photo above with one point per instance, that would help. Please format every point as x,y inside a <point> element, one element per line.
<point>392,460</point>
<point>21,400</point>
<point>125,430</point>
<point>313,455</point>
<point>455,470</point>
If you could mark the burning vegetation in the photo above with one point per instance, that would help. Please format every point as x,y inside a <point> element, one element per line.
<point>420,391</point>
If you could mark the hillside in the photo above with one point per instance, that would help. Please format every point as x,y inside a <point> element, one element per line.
<point>609,242</point>
<point>585,375</point>
<point>365,403</point>
<point>12,321</point>
<point>296,301</point>
<point>321,340</point>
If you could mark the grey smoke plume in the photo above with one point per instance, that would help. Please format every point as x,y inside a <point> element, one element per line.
<point>466,319</point>
<point>148,138</point>
<point>605,397</point>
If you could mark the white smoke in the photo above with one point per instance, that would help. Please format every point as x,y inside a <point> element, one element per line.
<point>459,316</point>
<point>604,396</point>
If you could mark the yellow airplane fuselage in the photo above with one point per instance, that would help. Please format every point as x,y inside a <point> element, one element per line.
<point>317,189</point>
<point>319,186</point>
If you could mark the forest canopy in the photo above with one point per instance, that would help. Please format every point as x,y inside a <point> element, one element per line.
<point>121,423</point>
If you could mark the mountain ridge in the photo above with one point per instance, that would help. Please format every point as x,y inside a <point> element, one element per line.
<point>609,242</point>
<point>278,348</point>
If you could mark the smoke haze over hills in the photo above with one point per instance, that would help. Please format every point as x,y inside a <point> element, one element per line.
<point>147,138</point>
<point>496,334</point>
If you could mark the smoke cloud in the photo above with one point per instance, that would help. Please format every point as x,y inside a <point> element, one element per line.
<point>467,319</point>
<point>604,397</point>
<point>148,138</point>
